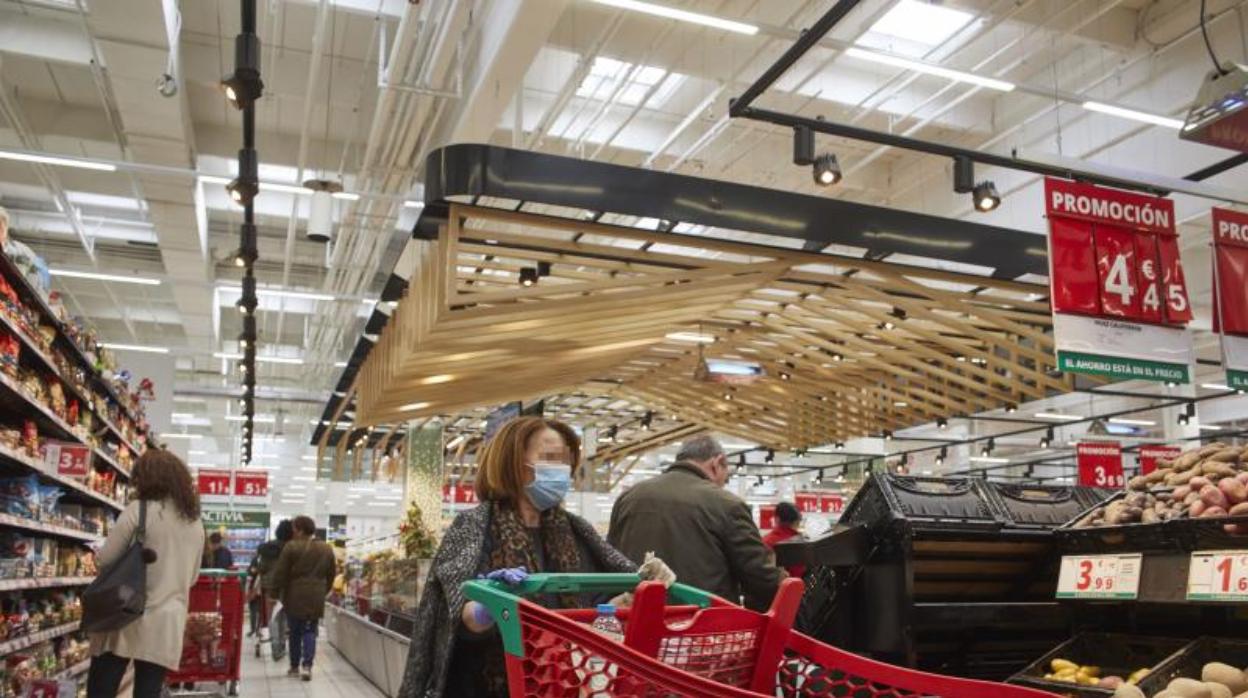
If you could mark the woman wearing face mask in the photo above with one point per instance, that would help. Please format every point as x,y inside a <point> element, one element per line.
<point>523,474</point>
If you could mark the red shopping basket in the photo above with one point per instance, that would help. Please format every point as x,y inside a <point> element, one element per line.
<point>698,645</point>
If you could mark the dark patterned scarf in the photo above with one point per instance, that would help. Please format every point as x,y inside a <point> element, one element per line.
<point>513,547</point>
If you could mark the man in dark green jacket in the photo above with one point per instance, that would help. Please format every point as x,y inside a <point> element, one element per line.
<point>704,533</point>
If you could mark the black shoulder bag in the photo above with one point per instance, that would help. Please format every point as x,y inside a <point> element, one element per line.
<point>118,596</point>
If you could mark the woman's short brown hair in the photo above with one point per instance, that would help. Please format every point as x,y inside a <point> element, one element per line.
<point>500,464</point>
<point>304,525</point>
<point>161,475</point>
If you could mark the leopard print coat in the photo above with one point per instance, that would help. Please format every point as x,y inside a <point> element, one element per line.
<point>462,557</point>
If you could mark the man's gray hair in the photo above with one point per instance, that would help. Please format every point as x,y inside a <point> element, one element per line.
<point>699,449</point>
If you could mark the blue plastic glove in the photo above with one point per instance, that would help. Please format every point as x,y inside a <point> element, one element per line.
<point>510,576</point>
<point>480,615</point>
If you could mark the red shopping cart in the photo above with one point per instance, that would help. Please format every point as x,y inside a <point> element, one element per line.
<point>698,645</point>
<point>212,649</point>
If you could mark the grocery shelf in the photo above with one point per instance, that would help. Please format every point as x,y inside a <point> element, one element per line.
<point>27,406</point>
<point>21,643</point>
<point>43,583</point>
<point>48,529</point>
<point>75,670</point>
<point>84,401</point>
<point>1163,580</point>
<point>35,300</point>
<point>75,487</point>
<point>108,460</point>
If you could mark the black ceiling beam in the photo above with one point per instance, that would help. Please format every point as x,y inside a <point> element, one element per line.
<point>462,171</point>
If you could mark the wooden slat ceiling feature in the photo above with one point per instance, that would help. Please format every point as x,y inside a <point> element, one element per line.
<point>866,345</point>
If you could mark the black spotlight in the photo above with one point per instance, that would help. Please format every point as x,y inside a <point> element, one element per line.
<point>1047,439</point>
<point>888,435</point>
<point>244,87</point>
<point>528,276</point>
<point>247,339</point>
<point>940,457</point>
<point>248,251</point>
<point>985,196</point>
<point>803,145</point>
<point>647,420</point>
<point>244,187</point>
<point>248,301</point>
<point>770,457</point>
<point>942,423</point>
<point>988,447</point>
<point>543,269</point>
<point>826,170</point>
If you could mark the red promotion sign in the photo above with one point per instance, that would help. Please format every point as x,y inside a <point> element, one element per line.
<point>1149,455</point>
<point>1230,239</point>
<point>819,502</point>
<point>1100,464</point>
<point>458,494</point>
<point>213,482</point>
<point>1114,254</point>
<point>251,483</point>
<point>767,517</point>
<point>70,460</point>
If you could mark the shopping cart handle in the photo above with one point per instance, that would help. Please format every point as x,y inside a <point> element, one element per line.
<point>501,599</point>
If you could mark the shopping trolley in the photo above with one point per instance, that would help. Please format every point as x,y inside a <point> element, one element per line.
<point>212,648</point>
<point>697,645</point>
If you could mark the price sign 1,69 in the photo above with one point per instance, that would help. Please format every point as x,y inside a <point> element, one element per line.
<point>1218,575</point>
<point>1099,577</point>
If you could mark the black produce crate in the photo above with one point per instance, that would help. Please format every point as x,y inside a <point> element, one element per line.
<point>1181,535</point>
<point>1092,496</point>
<point>1115,654</point>
<point>1189,662</point>
<point>1037,506</point>
<point>935,500</point>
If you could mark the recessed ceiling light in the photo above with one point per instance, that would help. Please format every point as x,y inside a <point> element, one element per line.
<point>1210,427</point>
<point>681,15</point>
<point>987,459</point>
<point>1134,115</point>
<point>1132,422</point>
<point>135,347</point>
<point>69,273</point>
<point>1059,417</point>
<point>929,69</point>
<point>53,160</point>
<point>1215,386</point>
<point>413,406</point>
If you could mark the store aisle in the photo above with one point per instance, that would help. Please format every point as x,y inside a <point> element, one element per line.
<point>333,677</point>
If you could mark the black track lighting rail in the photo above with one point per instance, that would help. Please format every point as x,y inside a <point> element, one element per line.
<point>743,107</point>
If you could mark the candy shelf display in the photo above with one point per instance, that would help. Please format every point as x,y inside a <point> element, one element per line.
<point>71,429</point>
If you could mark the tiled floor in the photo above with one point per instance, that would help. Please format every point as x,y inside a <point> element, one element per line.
<point>333,677</point>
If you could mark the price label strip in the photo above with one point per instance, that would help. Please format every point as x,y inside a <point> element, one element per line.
<point>1218,575</point>
<point>1099,577</point>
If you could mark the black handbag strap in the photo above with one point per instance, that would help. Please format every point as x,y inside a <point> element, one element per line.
<point>140,533</point>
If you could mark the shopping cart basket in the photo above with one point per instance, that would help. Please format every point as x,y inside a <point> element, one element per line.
<point>698,645</point>
<point>212,649</point>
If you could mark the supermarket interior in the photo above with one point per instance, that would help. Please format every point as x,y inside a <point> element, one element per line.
<point>910,336</point>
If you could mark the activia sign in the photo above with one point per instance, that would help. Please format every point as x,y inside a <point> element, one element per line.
<point>1120,304</point>
<point>1230,278</point>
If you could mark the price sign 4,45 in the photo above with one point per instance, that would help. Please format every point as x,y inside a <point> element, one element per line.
<point>1218,576</point>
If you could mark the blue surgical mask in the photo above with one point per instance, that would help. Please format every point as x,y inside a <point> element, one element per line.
<point>550,485</point>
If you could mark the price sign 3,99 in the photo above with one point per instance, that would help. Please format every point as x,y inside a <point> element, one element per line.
<point>1099,577</point>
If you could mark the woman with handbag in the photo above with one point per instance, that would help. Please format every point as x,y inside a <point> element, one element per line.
<point>163,522</point>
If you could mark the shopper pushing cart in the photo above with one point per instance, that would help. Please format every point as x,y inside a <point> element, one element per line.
<point>272,629</point>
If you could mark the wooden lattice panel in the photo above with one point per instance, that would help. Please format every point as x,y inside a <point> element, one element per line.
<point>864,345</point>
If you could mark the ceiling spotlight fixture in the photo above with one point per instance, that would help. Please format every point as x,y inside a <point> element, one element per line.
<point>819,477</point>
<point>244,86</point>
<point>728,397</point>
<point>899,313</point>
<point>985,196</point>
<point>247,301</point>
<point>942,423</point>
<point>826,170</point>
<point>803,146</point>
<point>988,447</point>
<point>647,420</point>
<point>887,325</point>
<point>888,435</point>
<point>840,445</point>
<point>784,375</point>
<point>528,276</point>
<point>543,269</point>
<point>1011,408</point>
<point>1047,439</point>
<point>243,188</point>
<point>940,457</point>
<point>770,457</point>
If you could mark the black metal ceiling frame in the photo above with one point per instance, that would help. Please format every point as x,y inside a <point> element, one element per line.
<point>742,107</point>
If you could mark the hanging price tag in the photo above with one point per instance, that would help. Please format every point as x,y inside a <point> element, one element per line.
<point>214,483</point>
<point>251,484</point>
<point>1099,577</point>
<point>1218,575</point>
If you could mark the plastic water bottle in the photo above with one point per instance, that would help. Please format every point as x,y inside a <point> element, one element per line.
<point>599,670</point>
<point>607,624</point>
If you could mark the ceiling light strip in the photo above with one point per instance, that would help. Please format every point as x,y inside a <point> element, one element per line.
<point>666,12</point>
<point>927,68</point>
<point>1133,114</point>
<point>69,273</point>
<point>61,161</point>
<point>135,347</point>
